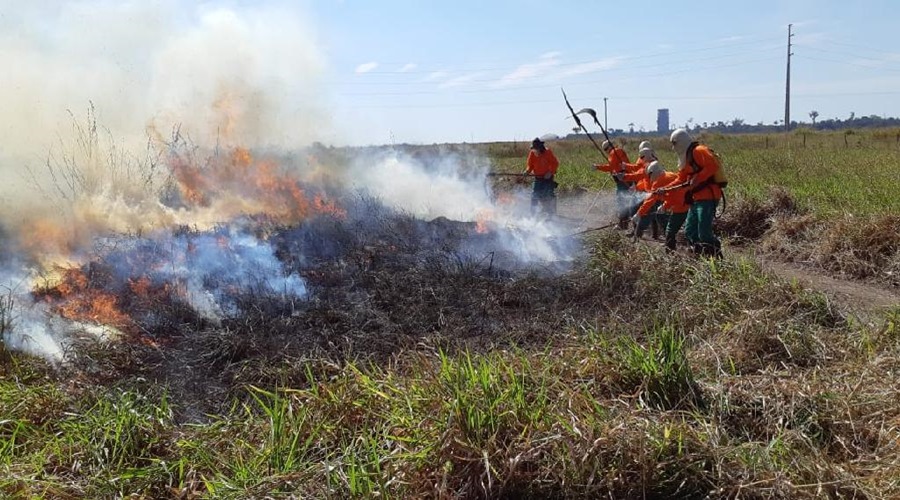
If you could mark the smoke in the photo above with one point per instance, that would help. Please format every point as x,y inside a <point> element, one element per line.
<point>226,74</point>
<point>210,269</point>
<point>456,187</point>
<point>167,102</point>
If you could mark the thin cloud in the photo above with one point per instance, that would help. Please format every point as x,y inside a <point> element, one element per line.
<point>434,76</point>
<point>527,71</point>
<point>551,55</point>
<point>408,67</point>
<point>366,67</point>
<point>805,22</point>
<point>460,80</point>
<point>591,67</point>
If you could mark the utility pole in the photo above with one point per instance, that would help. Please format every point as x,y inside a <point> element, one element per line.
<point>787,84</point>
<point>605,123</point>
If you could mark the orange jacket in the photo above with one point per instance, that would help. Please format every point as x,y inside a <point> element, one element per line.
<point>616,162</point>
<point>541,164</point>
<point>638,167</point>
<point>673,201</point>
<point>708,164</point>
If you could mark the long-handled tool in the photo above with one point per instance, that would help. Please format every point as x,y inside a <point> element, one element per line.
<point>581,125</point>
<point>593,113</point>
<point>575,117</point>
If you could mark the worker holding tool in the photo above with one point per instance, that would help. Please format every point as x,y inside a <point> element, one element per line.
<point>643,187</point>
<point>666,207</point>
<point>700,177</point>
<point>618,165</point>
<point>542,163</point>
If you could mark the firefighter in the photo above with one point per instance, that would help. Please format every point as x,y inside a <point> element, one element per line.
<point>618,165</point>
<point>665,207</point>
<point>698,175</point>
<point>542,163</point>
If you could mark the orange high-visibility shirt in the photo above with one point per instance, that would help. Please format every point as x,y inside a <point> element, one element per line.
<point>617,161</point>
<point>673,201</point>
<point>541,164</point>
<point>708,164</point>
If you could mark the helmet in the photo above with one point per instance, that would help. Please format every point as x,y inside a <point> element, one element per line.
<point>606,145</point>
<point>647,153</point>
<point>680,140</point>
<point>537,143</point>
<point>654,170</point>
<point>644,145</point>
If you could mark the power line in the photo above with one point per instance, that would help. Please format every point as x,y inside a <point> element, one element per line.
<point>853,45</point>
<point>553,67</point>
<point>842,53</point>
<point>625,98</point>
<point>848,63</point>
<point>557,83</point>
<point>441,67</point>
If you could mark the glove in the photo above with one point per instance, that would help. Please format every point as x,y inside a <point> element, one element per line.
<point>636,220</point>
<point>619,175</point>
<point>548,176</point>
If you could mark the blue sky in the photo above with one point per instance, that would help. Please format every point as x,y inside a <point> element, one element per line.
<point>422,72</point>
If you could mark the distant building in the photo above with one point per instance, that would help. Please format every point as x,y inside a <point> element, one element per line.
<point>662,121</point>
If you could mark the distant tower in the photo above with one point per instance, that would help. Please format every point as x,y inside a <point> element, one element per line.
<point>662,121</point>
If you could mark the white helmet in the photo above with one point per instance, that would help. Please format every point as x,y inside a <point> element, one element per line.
<point>654,170</point>
<point>680,140</point>
<point>606,146</point>
<point>647,153</point>
<point>644,145</point>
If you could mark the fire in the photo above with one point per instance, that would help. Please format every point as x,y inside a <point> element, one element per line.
<point>481,220</point>
<point>244,185</point>
<point>78,299</point>
<point>505,198</point>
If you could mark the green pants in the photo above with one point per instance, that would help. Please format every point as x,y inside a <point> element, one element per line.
<point>672,228</point>
<point>698,227</point>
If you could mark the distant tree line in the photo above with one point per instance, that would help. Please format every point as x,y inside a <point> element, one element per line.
<point>740,126</point>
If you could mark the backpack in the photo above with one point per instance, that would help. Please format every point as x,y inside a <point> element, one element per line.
<point>720,177</point>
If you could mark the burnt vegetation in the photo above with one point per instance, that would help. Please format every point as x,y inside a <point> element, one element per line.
<point>425,359</point>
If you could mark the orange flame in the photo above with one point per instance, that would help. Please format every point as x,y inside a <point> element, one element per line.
<point>481,220</point>
<point>79,301</point>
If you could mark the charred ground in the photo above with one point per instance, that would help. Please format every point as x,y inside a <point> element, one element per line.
<point>423,365</point>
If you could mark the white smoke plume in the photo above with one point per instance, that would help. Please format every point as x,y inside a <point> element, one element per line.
<point>226,73</point>
<point>455,186</point>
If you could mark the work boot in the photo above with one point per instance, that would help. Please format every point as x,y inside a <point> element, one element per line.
<point>670,244</point>
<point>623,222</point>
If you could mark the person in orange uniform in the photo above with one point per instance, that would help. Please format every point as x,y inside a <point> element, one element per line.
<point>665,206</point>
<point>617,163</point>
<point>640,178</point>
<point>542,163</point>
<point>697,170</point>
